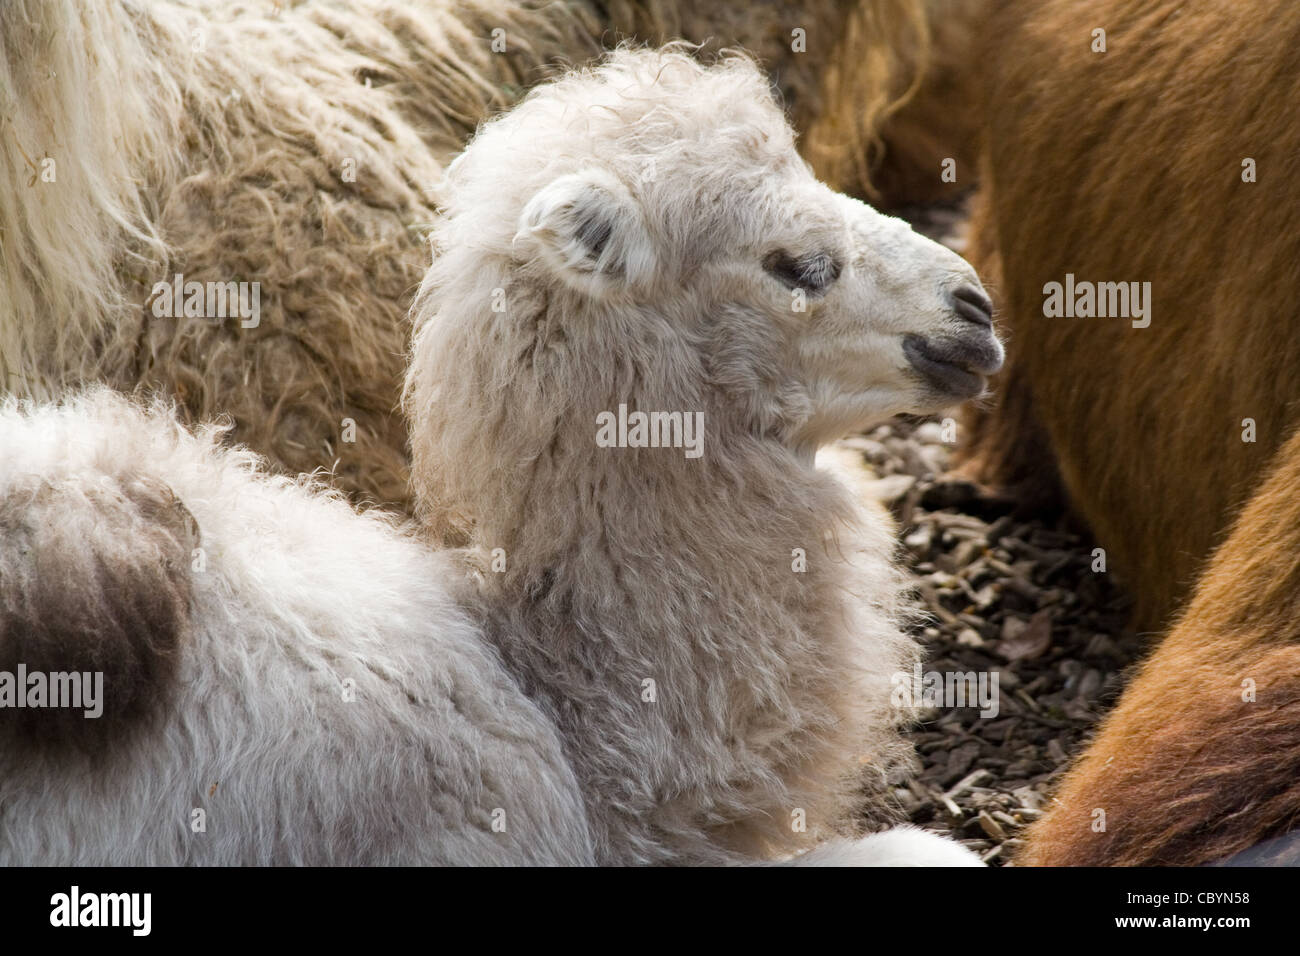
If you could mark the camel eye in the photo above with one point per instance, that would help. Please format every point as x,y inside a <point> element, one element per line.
<point>813,273</point>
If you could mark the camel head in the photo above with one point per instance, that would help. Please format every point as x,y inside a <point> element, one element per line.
<point>653,216</point>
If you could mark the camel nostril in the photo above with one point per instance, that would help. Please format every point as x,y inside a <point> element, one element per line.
<point>973,305</point>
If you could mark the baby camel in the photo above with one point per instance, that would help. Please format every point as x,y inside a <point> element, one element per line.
<point>668,638</point>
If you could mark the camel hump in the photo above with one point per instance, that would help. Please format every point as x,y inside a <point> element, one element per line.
<point>95,594</point>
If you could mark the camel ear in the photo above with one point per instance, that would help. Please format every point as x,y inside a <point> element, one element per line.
<point>589,229</point>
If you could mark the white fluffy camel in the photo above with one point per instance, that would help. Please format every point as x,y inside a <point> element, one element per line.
<point>671,654</point>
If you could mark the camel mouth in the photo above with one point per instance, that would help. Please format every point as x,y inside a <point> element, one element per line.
<point>957,368</point>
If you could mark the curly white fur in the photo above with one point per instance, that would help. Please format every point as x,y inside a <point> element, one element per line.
<point>642,673</point>
<point>621,239</point>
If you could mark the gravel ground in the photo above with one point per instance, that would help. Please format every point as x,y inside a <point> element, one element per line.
<point>999,593</point>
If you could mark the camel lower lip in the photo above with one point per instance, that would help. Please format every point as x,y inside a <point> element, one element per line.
<point>948,377</point>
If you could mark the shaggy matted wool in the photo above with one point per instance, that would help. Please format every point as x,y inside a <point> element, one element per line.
<point>292,146</point>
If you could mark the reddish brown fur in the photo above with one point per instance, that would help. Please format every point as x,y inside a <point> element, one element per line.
<point>1187,771</point>
<point>133,539</point>
<point>1126,166</point>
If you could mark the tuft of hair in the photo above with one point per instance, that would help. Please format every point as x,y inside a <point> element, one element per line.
<point>937,117</point>
<point>87,109</point>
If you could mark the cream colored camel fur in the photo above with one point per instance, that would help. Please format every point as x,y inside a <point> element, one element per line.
<point>644,237</point>
<point>643,656</point>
